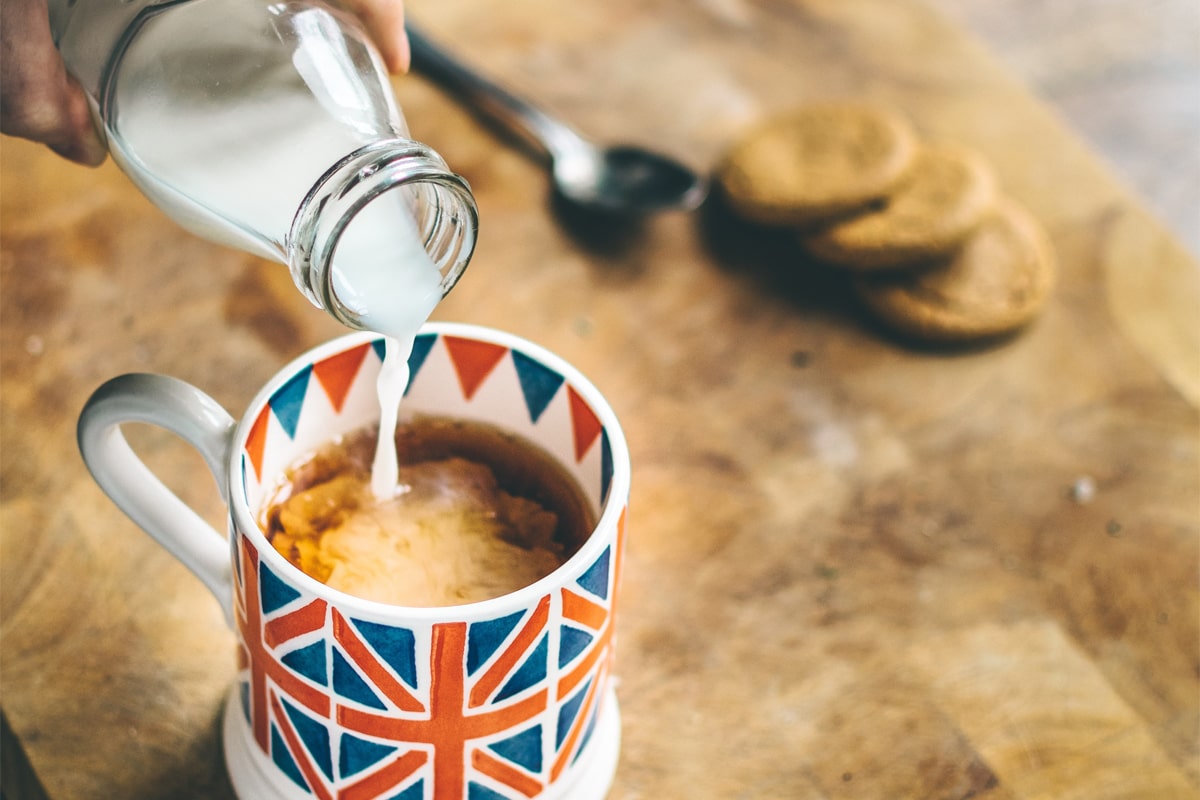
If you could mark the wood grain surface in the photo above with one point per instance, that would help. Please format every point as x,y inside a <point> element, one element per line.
<point>856,568</point>
<point>1125,74</point>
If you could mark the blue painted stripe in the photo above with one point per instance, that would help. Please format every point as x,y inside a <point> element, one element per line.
<point>288,400</point>
<point>538,382</point>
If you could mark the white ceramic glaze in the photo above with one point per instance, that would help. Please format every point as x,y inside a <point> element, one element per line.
<point>506,698</point>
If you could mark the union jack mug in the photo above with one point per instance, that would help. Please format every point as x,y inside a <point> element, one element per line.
<point>339,697</point>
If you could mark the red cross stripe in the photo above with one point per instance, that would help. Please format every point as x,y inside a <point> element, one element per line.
<point>449,727</point>
<point>589,614</point>
<point>256,653</point>
<point>369,787</point>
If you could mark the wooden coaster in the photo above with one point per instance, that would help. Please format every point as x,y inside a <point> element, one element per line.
<point>949,191</point>
<point>996,282</point>
<point>816,163</point>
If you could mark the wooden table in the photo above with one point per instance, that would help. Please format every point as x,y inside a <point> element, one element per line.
<point>1124,74</point>
<point>856,569</point>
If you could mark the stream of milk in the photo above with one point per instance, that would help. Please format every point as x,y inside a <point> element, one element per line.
<point>383,272</point>
<point>234,167</point>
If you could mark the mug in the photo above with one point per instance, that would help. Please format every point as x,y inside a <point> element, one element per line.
<point>340,697</point>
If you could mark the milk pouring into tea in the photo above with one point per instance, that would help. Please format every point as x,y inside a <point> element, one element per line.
<point>272,128</point>
<point>381,270</point>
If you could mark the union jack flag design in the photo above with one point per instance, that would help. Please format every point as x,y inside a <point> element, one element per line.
<point>494,709</point>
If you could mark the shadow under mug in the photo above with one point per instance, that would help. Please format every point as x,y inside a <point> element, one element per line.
<point>340,697</point>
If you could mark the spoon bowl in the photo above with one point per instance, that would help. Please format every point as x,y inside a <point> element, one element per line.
<point>620,180</point>
<point>629,180</point>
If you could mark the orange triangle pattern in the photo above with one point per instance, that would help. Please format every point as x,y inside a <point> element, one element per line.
<point>473,361</point>
<point>256,440</point>
<point>584,422</point>
<point>336,373</point>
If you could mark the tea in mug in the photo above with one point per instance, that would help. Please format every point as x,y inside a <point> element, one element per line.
<point>478,512</point>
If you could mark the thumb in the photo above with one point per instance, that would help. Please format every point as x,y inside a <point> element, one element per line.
<point>384,21</point>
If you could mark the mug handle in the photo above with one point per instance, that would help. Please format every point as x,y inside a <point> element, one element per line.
<point>183,409</point>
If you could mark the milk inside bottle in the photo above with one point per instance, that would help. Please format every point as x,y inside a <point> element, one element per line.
<point>272,127</point>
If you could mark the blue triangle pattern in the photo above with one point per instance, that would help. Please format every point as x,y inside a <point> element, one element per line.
<point>244,691</point>
<point>313,735</point>
<point>289,399</point>
<point>524,749</point>
<point>396,646</point>
<point>283,759</point>
<point>539,383</point>
<point>273,593</point>
<point>357,754</point>
<point>567,713</point>
<point>530,673</point>
<point>573,641</point>
<point>348,683</point>
<point>416,359</point>
<point>414,792</point>
<point>477,791</point>
<point>236,546</point>
<point>484,638</point>
<point>606,464</point>
<point>587,734</point>
<point>380,347</point>
<point>310,662</point>
<point>595,579</point>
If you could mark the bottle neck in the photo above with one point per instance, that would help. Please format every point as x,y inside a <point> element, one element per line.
<point>383,182</point>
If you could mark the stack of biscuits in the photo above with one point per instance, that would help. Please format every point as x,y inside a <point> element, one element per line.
<point>934,248</point>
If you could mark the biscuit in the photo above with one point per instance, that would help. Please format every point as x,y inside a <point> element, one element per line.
<point>816,163</point>
<point>949,191</point>
<point>995,283</point>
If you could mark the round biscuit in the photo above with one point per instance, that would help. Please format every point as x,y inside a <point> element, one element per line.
<point>816,162</point>
<point>995,283</point>
<point>949,191</point>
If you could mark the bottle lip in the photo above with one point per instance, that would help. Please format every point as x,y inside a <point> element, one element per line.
<point>349,186</point>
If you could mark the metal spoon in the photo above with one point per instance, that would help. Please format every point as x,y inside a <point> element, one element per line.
<point>622,180</point>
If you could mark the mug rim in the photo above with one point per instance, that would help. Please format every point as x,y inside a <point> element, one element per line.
<point>244,520</point>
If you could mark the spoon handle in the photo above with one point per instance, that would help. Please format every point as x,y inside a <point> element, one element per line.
<point>488,99</point>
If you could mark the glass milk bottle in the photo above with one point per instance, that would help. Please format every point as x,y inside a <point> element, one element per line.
<point>272,127</point>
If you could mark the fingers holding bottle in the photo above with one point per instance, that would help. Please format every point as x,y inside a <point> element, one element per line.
<point>39,100</point>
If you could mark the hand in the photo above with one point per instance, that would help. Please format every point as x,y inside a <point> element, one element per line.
<point>39,100</point>
<point>384,21</point>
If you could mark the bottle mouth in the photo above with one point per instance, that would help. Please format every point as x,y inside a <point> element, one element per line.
<point>439,202</point>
